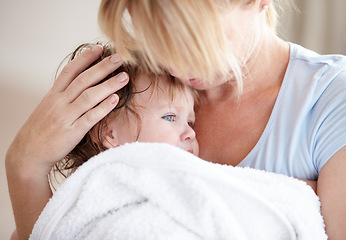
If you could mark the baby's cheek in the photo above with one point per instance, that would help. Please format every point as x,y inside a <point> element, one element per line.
<point>196,149</point>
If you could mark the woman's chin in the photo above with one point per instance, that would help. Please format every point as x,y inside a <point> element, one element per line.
<point>198,84</point>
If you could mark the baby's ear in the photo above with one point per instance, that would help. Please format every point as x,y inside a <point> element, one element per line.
<point>109,134</point>
<point>109,139</point>
<point>105,137</point>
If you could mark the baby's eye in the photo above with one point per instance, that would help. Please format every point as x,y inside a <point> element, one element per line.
<point>191,124</point>
<point>170,117</point>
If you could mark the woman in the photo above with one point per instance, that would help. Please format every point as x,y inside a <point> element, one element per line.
<point>265,103</point>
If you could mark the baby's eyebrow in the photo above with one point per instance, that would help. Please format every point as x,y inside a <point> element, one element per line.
<point>170,105</point>
<point>175,107</point>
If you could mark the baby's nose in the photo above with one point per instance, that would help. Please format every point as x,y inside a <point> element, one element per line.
<point>189,134</point>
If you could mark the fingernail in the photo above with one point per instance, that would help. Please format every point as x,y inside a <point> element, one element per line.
<point>97,49</point>
<point>122,77</point>
<point>113,99</point>
<point>115,58</point>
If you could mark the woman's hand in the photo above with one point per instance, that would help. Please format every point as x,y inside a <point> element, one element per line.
<point>68,111</point>
<point>72,107</point>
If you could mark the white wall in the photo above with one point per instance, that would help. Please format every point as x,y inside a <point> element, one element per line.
<point>37,34</point>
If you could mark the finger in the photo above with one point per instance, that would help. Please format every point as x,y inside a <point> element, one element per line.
<point>76,66</point>
<point>94,95</point>
<point>92,76</point>
<point>94,115</point>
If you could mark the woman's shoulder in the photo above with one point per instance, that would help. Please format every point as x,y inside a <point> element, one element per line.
<point>301,54</point>
<point>314,92</point>
<point>318,71</point>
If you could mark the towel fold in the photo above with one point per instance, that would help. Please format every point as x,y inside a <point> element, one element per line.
<point>157,191</point>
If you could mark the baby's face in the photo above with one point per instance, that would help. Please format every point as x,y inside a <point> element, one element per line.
<point>162,120</point>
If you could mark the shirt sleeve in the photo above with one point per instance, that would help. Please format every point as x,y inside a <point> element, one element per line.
<point>330,121</point>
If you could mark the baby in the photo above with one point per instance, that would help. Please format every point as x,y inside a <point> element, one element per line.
<point>152,108</point>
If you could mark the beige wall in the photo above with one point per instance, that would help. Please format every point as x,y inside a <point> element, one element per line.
<point>319,25</point>
<point>37,34</point>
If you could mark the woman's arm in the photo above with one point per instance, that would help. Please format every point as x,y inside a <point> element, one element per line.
<point>65,114</point>
<point>331,188</point>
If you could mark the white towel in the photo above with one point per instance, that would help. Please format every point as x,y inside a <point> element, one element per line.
<point>157,191</point>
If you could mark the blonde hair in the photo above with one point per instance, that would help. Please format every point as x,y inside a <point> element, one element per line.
<point>183,35</point>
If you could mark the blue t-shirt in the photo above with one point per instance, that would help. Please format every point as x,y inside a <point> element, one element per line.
<point>308,122</point>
